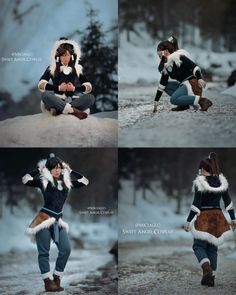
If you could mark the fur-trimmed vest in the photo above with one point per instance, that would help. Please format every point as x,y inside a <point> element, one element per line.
<point>211,224</point>
<point>54,194</point>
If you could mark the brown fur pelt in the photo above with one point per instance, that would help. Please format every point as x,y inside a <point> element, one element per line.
<point>197,90</point>
<point>212,222</point>
<point>39,218</point>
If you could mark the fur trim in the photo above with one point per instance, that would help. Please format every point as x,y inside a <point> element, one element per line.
<point>87,85</point>
<point>195,209</point>
<point>67,109</point>
<point>58,273</point>
<point>203,261</point>
<point>46,176</point>
<point>230,206</point>
<point>201,235</point>
<point>63,224</point>
<point>189,88</point>
<point>40,82</point>
<point>175,58</point>
<point>77,51</point>
<point>196,69</point>
<point>45,224</point>
<point>47,275</point>
<point>203,186</point>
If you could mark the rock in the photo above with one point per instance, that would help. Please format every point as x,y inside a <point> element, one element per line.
<point>44,130</point>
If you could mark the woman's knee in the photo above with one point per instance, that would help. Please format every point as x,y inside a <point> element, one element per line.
<point>174,99</point>
<point>91,99</point>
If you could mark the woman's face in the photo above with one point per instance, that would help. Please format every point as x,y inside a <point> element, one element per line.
<point>65,58</point>
<point>162,53</point>
<point>56,171</point>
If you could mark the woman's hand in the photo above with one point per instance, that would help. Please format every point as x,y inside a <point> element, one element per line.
<point>233,224</point>
<point>63,87</point>
<point>66,166</point>
<point>156,107</point>
<point>70,87</point>
<point>201,83</point>
<point>187,227</point>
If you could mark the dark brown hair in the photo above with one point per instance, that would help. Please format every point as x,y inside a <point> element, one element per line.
<point>211,164</point>
<point>62,49</point>
<point>171,44</point>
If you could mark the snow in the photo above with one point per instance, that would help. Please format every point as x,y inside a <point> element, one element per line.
<point>63,130</point>
<point>230,91</point>
<point>33,39</point>
<point>138,61</point>
<point>101,234</point>
<point>139,127</point>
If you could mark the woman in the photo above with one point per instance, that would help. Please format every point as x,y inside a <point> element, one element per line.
<point>210,228</point>
<point>67,80</point>
<point>187,89</point>
<point>53,178</point>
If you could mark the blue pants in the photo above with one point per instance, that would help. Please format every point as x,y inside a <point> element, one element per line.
<point>203,249</point>
<point>179,94</point>
<point>82,103</point>
<point>43,240</point>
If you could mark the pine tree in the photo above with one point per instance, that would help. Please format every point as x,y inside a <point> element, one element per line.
<point>99,61</point>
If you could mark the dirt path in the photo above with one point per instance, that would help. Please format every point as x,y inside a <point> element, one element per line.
<point>162,268</point>
<point>87,272</point>
<point>138,126</point>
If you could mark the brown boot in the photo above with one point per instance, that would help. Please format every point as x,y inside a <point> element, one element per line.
<point>79,114</point>
<point>204,103</point>
<point>57,280</point>
<point>54,112</point>
<point>180,108</point>
<point>50,286</point>
<point>207,274</point>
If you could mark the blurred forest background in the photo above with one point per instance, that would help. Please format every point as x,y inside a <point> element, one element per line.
<point>169,171</point>
<point>207,24</point>
<point>31,28</point>
<point>98,165</point>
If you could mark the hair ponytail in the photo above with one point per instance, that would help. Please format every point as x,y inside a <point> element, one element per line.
<point>214,163</point>
<point>211,164</point>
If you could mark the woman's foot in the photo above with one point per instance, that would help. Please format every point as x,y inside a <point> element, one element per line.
<point>79,114</point>
<point>207,277</point>
<point>54,112</point>
<point>204,103</point>
<point>57,281</point>
<point>180,108</point>
<point>50,285</point>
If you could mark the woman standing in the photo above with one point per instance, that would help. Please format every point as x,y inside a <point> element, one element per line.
<point>210,228</point>
<point>187,89</point>
<point>53,178</point>
<point>65,72</point>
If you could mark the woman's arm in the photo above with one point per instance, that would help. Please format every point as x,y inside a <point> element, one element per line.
<point>196,205</point>
<point>44,84</point>
<point>85,86</point>
<point>80,179</point>
<point>161,88</point>
<point>30,180</point>
<point>228,204</point>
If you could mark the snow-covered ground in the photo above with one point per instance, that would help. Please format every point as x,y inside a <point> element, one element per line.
<point>26,46</point>
<point>139,127</point>
<point>64,130</point>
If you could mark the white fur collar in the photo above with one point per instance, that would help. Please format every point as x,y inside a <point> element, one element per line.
<point>175,58</point>
<point>202,185</point>
<point>46,176</point>
<point>77,51</point>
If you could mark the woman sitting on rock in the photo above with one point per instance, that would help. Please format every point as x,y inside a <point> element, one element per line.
<point>65,72</point>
